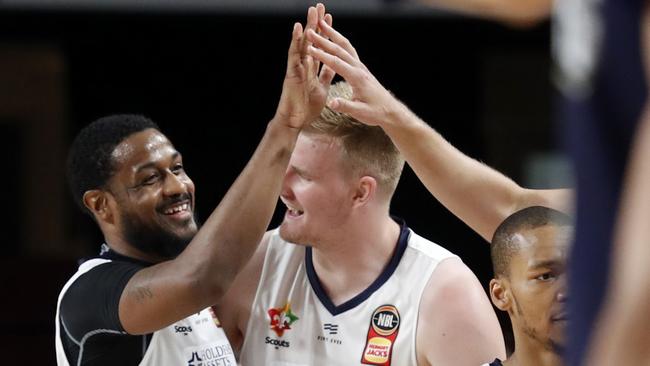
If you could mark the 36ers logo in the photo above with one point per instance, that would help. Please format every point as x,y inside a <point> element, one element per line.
<point>281,319</point>
<point>382,332</point>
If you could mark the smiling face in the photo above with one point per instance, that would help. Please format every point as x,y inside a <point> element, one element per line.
<point>536,283</point>
<point>154,195</point>
<point>317,190</point>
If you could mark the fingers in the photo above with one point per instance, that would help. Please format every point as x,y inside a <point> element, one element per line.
<point>333,62</point>
<point>294,53</point>
<point>355,109</point>
<point>328,19</point>
<point>312,18</point>
<point>328,32</point>
<point>320,10</point>
<point>326,76</point>
<point>330,47</point>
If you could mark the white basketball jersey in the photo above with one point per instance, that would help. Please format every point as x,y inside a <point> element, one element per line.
<point>293,321</point>
<point>197,340</point>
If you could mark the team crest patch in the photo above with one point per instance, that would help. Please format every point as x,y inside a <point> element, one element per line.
<point>382,332</point>
<point>281,319</point>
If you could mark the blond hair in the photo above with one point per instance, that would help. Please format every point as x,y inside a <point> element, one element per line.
<point>367,149</point>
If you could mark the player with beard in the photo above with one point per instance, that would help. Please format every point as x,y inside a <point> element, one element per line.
<point>529,257</point>
<point>145,300</point>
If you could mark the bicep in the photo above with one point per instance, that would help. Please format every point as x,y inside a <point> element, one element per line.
<point>457,324</point>
<point>158,296</point>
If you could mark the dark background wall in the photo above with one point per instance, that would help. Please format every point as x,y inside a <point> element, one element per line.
<point>212,82</point>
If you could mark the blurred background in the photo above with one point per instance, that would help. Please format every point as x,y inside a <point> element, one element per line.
<point>209,73</point>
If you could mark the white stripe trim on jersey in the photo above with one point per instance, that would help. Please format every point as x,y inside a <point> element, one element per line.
<point>90,334</point>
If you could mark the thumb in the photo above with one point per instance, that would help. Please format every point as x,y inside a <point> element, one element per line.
<point>355,109</point>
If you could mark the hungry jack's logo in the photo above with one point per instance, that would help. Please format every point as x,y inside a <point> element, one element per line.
<point>382,332</point>
<point>281,319</point>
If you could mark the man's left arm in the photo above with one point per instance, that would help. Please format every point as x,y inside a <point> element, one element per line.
<point>456,324</point>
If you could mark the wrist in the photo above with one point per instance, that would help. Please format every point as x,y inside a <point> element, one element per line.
<point>399,117</point>
<point>279,127</point>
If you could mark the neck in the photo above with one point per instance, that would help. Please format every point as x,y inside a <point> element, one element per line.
<point>529,352</point>
<point>120,246</point>
<point>348,265</point>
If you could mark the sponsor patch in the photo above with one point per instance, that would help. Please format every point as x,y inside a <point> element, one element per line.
<point>382,332</point>
<point>215,354</point>
<point>281,319</point>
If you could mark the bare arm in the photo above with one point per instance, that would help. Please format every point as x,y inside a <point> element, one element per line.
<point>167,292</point>
<point>477,194</point>
<point>516,12</point>
<point>456,324</point>
<point>234,310</point>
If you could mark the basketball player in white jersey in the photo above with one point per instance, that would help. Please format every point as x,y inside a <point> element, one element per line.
<point>530,246</point>
<point>341,282</point>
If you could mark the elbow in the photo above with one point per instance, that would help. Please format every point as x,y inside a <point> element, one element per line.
<point>207,285</point>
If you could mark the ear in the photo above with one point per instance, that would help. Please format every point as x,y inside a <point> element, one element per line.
<point>97,202</point>
<point>500,294</point>
<point>366,189</point>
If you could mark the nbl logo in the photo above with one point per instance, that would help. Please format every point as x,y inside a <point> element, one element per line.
<point>385,320</point>
<point>382,332</point>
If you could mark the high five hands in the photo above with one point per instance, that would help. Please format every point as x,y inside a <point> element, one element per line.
<point>305,86</point>
<point>371,103</point>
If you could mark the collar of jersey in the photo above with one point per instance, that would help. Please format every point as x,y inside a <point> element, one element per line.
<point>400,248</point>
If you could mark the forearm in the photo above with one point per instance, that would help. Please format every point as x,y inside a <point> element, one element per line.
<point>234,229</point>
<point>474,192</point>
<point>518,12</point>
<point>162,294</point>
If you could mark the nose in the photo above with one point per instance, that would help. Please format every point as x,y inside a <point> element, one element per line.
<point>286,191</point>
<point>174,185</point>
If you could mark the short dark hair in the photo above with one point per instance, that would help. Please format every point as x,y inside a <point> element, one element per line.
<point>503,246</point>
<point>89,163</point>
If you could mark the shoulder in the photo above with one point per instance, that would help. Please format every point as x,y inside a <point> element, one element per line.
<point>97,275</point>
<point>427,247</point>
<point>454,312</point>
<point>452,284</point>
<point>91,298</point>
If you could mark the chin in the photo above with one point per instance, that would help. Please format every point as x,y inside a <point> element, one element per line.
<point>291,236</point>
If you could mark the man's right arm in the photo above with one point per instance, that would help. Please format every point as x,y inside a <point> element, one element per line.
<point>199,277</point>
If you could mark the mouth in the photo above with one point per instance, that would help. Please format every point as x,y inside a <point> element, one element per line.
<point>561,317</point>
<point>178,211</point>
<point>292,212</point>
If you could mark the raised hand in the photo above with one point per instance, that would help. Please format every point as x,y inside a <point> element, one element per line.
<point>371,103</point>
<point>304,91</point>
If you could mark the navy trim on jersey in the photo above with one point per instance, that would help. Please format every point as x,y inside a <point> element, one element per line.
<point>496,362</point>
<point>402,243</point>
